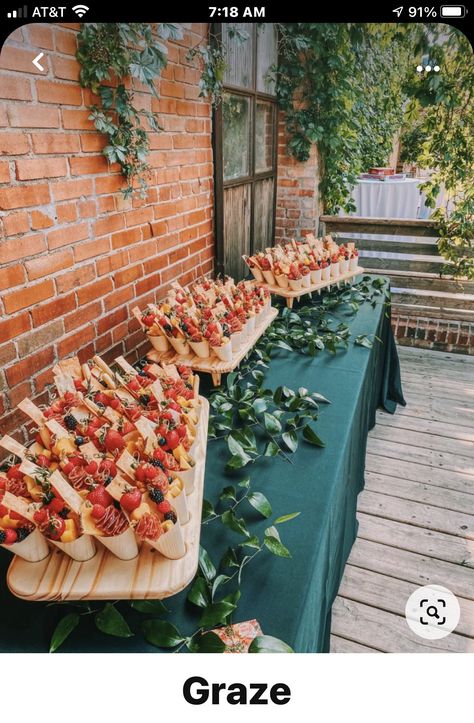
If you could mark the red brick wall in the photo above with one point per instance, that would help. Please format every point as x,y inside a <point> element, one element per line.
<point>297,205</point>
<point>75,256</point>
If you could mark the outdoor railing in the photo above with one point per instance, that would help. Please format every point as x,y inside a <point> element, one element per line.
<point>420,280</point>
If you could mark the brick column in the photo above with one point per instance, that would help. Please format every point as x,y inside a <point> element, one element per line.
<point>297,204</point>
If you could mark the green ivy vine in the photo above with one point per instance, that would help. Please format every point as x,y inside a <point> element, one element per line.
<point>439,135</point>
<point>112,56</point>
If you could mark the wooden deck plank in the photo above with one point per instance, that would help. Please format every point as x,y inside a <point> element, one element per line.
<point>423,440</point>
<point>438,545</point>
<point>391,594</point>
<point>341,645</point>
<point>386,631</point>
<point>412,567</point>
<point>429,457</point>
<point>461,435</point>
<point>420,472</point>
<point>433,408</point>
<point>415,513</point>
<point>420,492</point>
<point>431,357</point>
<point>458,393</point>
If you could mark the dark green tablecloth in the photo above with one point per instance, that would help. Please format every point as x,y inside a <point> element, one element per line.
<point>291,599</point>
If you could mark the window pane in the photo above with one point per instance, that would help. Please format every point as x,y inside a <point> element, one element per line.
<point>236,132</point>
<point>238,38</point>
<point>263,137</point>
<point>266,56</point>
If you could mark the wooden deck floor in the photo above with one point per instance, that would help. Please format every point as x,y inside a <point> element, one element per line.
<point>416,514</point>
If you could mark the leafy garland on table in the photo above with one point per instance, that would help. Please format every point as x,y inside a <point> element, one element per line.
<point>255,422</point>
<point>112,56</point>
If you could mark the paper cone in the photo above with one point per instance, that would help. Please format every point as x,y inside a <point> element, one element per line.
<point>306,281</point>
<point>224,352</point>
<point>123,546</point>
<point>268,276</point>
<point>295,284</point>
<point>187,476</point>
<point>236,341</point>
<point>353,263</point>
<point>180,505</point>
<point>316,276</point>
<point>33,548</point>
<point>201,348</point>
<point>160,343</point>
<point>258,276</point>
<point>335,271</point>
<point>326,273</point>
<point>81,549</point>
<point>171,544</point>
<point>344,266</point>
<point>282,281</point>
<point>251,323</point>
<point>180,346</point>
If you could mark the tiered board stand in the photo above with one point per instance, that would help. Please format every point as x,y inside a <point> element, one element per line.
<point>214,366</point>
<point>105,577</point>
<point>291,295</point>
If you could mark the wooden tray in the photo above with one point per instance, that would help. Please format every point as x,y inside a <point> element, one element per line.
<point>213,365</point>
<point>105,577</point>
<point>290,295</point>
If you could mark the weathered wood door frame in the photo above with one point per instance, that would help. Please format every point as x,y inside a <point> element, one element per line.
<point>219,184</point>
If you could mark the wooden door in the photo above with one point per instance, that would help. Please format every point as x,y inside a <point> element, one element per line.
<point>245,146</point>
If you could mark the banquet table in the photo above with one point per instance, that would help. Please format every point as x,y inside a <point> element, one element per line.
<point>290,598</point>
<point>387,199</point>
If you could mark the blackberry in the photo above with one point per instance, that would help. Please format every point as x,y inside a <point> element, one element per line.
<point>70,422</point>
<point>157,463</point>
<point>79,440</point>
<point>108,480</point>
<point>144,399</point>
<point>141,373</point>
<point>171,516</point>
<point>48,497</point>
<point>156,495</point>
<point>170,479</point>
<point>22,533</point>
<point>64,512</point>
<point>3,537</point>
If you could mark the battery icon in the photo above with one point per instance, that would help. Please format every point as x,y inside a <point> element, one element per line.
<point>453,11</point>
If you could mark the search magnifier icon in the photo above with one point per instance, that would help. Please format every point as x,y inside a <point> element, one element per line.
<point>432,612</point>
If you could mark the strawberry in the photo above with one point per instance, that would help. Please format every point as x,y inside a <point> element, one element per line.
<point>79,385</point>
<point>134,385</point>
<point>10,536</point>
<point>148,319</point>
<point>98,511</point>
<point>100,496</point>
<point>114,442</point>
<point>3,511</point>
<point>127,428</point>
<point>115,403</point>
<point>164,507</point>
<point>40,516</point>
<point>172,439</point>
<point>3,483</point>
<point>68,467</point>
<point>91,468</point>
<point>158,454</point>
<point>181,429</point>
<point>14,472</point>
<point>140,473</point>
<point>15,515</point>
<point>151,472</point>
<point>131,500</point>
<point>56,504</point>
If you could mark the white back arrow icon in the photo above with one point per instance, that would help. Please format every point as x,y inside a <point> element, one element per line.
<point>37,63</point>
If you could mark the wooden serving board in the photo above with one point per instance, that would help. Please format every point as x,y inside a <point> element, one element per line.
<point>290,295</point>
<point>105,577</point>
<point>214,366</point>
